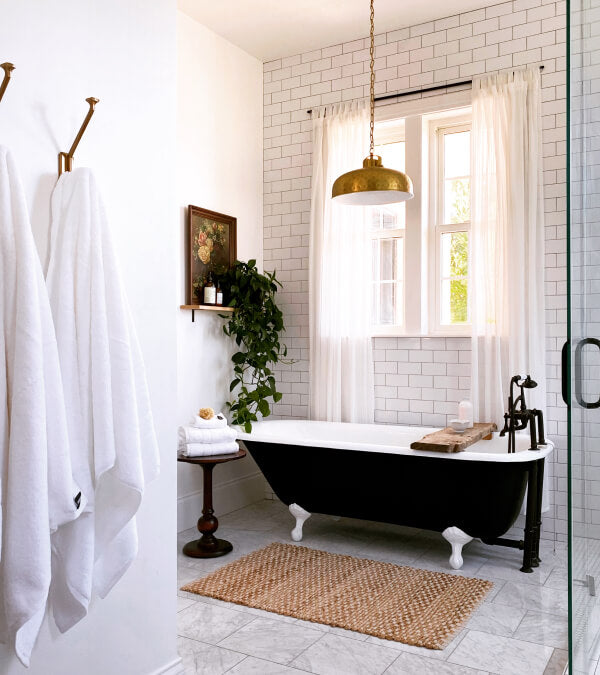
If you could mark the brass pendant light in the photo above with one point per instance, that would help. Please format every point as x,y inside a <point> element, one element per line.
<point>373,184</point>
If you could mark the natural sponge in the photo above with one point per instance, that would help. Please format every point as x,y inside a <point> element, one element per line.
<point>206,413</point>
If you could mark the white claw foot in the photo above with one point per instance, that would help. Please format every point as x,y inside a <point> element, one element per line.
<point>301,516</point>
<point>457,538</point>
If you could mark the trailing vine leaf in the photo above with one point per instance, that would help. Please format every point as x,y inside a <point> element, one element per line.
<point>255,326</point>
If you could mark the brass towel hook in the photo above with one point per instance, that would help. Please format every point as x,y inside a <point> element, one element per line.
<point>8,68</point>
<point>65,159</point>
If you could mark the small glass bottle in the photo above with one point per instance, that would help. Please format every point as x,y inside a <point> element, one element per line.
<point>210,292</point>
<point>219,300</point>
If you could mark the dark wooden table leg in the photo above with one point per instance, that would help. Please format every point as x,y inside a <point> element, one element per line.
<point>208,546</point>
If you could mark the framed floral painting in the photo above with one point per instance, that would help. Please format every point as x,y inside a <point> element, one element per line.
<point>211,248</point>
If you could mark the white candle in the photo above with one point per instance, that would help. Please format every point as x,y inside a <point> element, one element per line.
<point>465,412</point>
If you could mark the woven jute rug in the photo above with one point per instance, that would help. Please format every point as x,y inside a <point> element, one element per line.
<point>409,605</point>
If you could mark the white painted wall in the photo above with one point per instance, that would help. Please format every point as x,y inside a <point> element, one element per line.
<point>123,52</point>
<point>219,167</point>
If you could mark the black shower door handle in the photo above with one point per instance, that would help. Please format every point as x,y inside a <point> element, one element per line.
<point>564,372</point>
<point>579,372</point>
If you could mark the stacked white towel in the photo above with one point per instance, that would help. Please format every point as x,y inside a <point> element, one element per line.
<point>207,437</point>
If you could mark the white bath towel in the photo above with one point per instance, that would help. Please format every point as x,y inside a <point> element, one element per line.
<point>217,422</point>
<point>38,494</point>
<point>195,435</point>
<point>113,444</point>
<point>207,449</point>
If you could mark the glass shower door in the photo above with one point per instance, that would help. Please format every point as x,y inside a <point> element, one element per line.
<point>581,354</point>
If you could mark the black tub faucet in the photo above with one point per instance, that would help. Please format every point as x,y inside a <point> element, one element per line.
<point>518,416</point>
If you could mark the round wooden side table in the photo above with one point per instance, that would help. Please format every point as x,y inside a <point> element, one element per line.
<point>208,546</point>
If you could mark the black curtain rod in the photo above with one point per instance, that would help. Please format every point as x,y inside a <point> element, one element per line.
<point>421,91</point>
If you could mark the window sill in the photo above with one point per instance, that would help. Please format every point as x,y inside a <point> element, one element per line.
<point>401,334</point>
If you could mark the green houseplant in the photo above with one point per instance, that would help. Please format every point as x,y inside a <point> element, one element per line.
<point>255,326</point>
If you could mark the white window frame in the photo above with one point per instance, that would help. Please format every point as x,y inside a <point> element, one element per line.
<point>438,128</point>
<point>393,329</point>
<point>413,119</point>
<point>393,132</point>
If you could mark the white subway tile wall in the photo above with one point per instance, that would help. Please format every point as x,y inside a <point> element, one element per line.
<point>417,380</point>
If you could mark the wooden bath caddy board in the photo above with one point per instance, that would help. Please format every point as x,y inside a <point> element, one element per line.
<point>448,440</point>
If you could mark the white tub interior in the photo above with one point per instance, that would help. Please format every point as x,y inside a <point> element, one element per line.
<point>385,438</point>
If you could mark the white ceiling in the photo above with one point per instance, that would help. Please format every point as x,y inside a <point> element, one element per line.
<point>270,29</point>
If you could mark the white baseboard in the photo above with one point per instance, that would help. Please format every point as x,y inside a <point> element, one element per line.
<point>228,496</point>
<point>173,668</point>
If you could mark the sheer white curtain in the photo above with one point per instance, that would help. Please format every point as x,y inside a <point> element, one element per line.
<point>340,287</point>
<point>507,254</point>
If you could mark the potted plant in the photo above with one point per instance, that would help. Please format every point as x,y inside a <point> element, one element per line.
<point>255,326</point>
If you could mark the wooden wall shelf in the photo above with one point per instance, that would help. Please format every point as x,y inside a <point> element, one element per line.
<point>206,308</point>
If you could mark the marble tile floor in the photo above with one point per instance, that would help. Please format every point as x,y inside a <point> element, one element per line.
<point>520,629</point>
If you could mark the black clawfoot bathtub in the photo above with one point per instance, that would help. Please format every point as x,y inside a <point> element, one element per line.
<point>368,471</point>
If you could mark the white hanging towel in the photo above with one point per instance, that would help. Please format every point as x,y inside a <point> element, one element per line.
<point>114,448</point>
<point>38,494</point>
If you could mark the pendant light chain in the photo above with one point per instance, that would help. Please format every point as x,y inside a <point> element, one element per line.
<point>373,185</point>
<point>372,53</point>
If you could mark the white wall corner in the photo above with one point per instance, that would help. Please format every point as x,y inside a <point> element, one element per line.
<point>228,496</point>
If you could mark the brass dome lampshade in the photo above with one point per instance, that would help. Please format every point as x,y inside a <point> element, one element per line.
<point>372,185</point>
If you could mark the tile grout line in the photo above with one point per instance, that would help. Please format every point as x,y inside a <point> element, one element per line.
<point>236,664</point>
<point>305,650</point>
<point>394,661</point>
<point>235,651</point>
<point>521,621</point>
<point>256,618</point>
<point>226,649</point>
<point>556,614</point>
<point>505,637</point>
<point>512,635</point>
<point>210,644</point>
<point>457,644</point>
